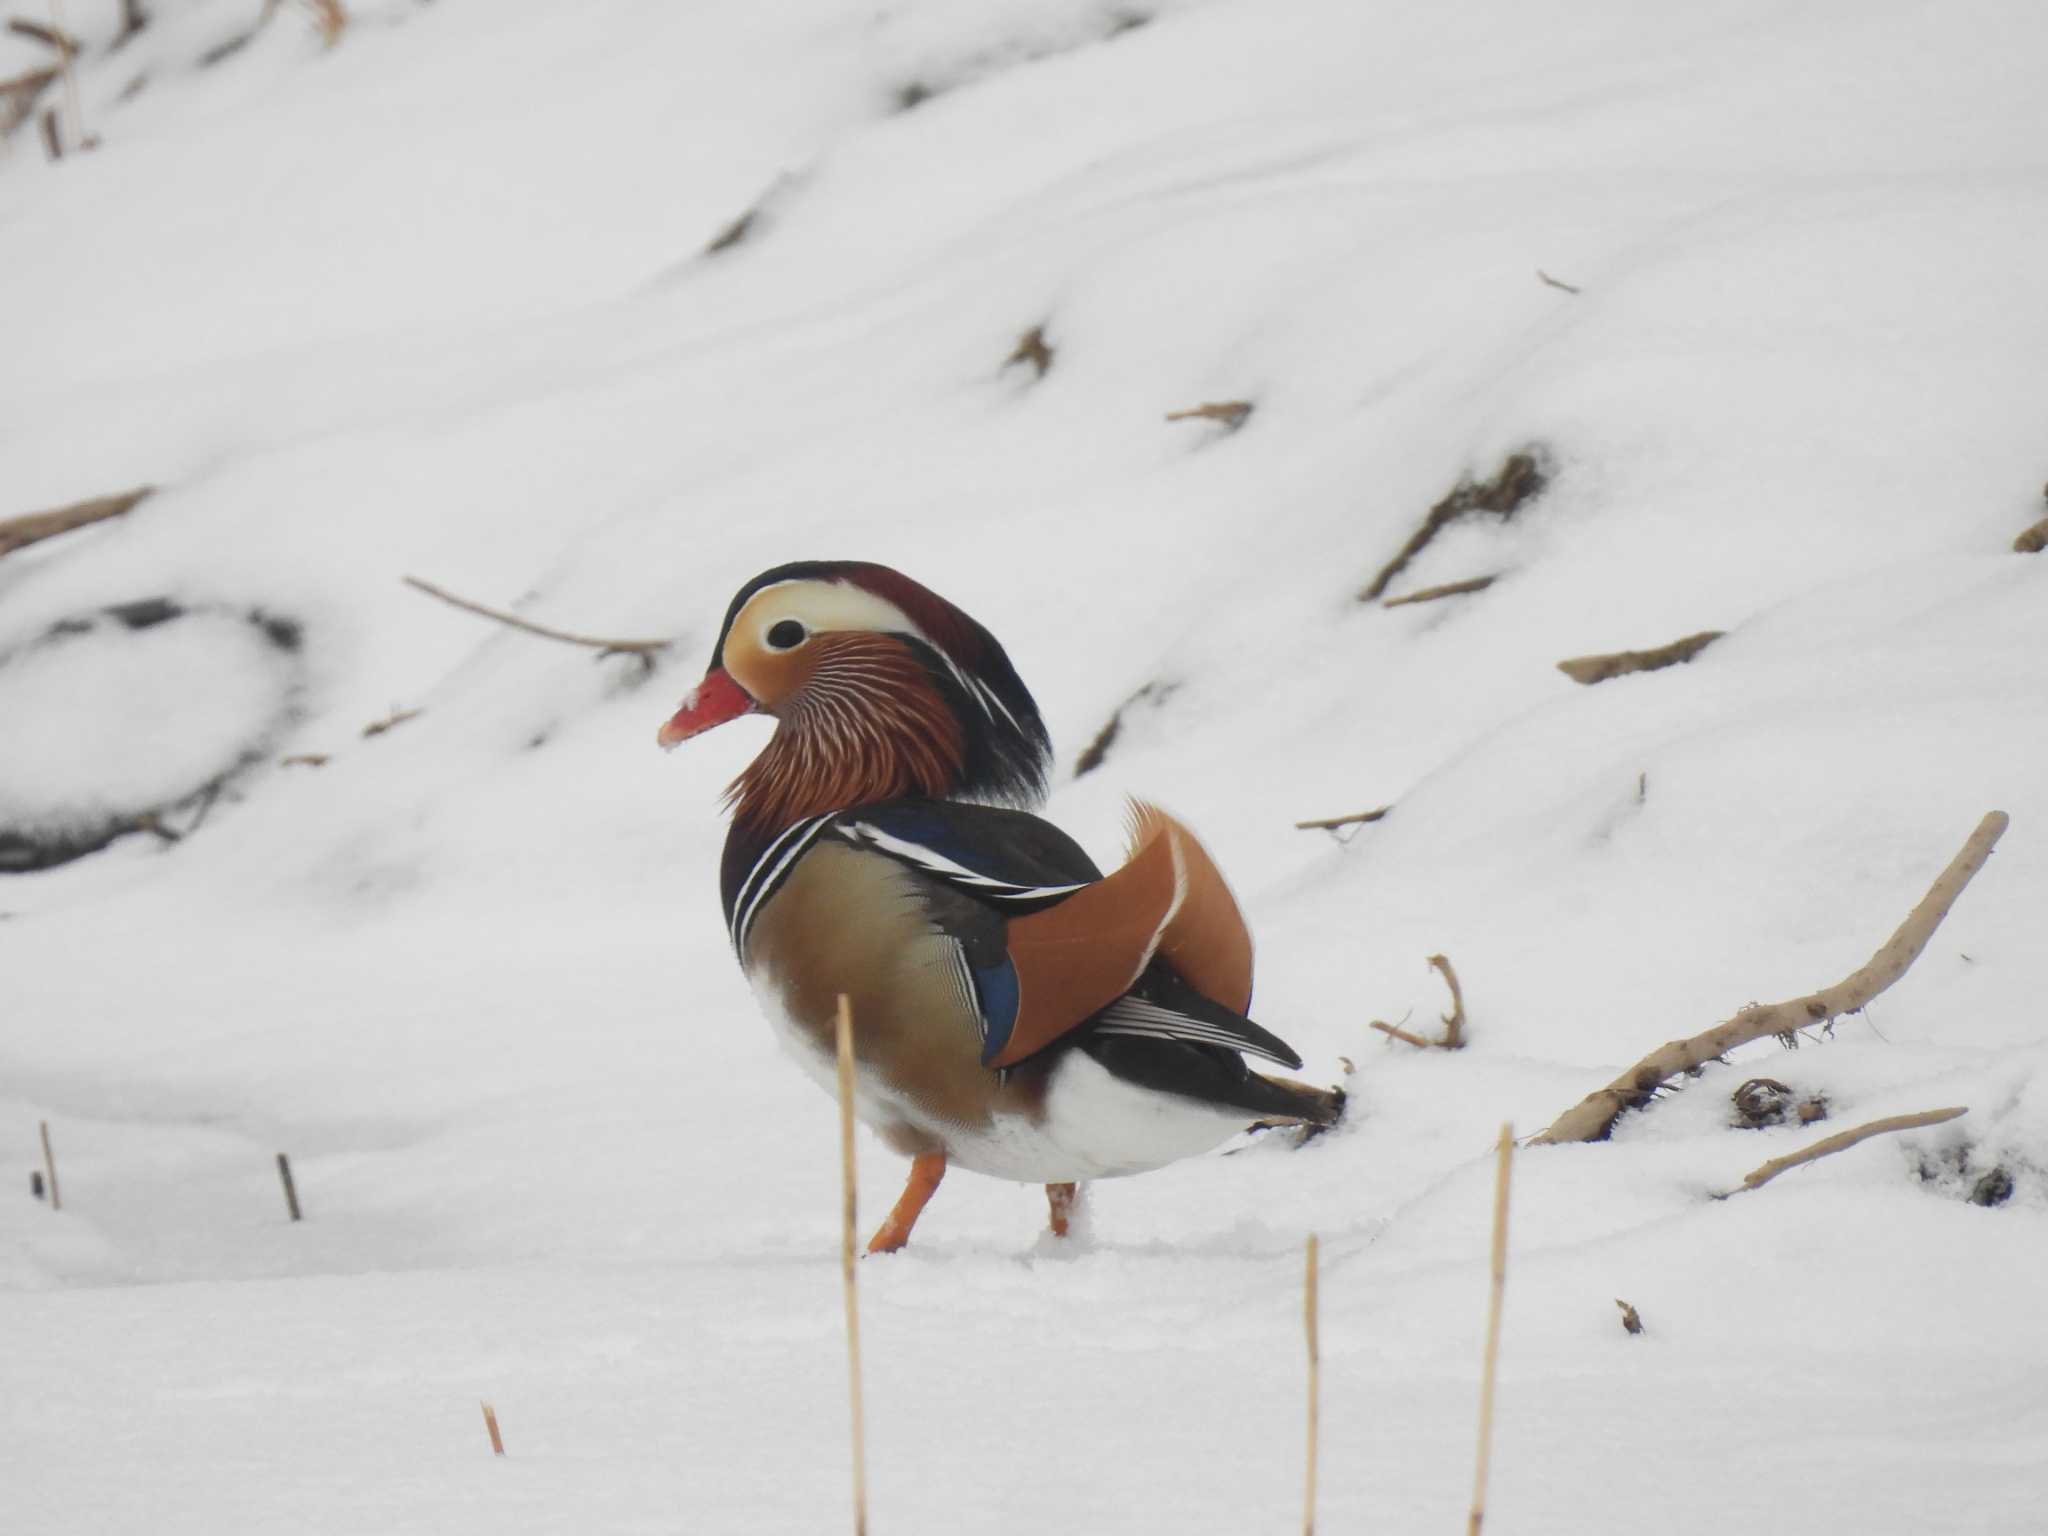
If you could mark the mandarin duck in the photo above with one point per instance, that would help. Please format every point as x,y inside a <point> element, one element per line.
<point>1016,1011</point>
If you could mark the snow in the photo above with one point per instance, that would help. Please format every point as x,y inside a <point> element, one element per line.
<point>435,301</point>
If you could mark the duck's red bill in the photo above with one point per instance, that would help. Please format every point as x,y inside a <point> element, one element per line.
<point>712,702</point>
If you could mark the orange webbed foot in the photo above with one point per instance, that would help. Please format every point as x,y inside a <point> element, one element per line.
<point>926,1169</point>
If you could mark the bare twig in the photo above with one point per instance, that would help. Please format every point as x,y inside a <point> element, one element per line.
<point>1032,349</point>
<point>1454,1021</point>
<point>33,527</point>
<point>1503,1166</point>
<point>19,94</point>
<point>1598,669</point>
<point>2033,540</point>
<point>1553,282</point>
<point>1521,477</point>
<point>1395,1031</point>
<point>396,718</point>
<point>1631,1319</point>
<point>50,36</point>
<point>644,649</point>
<point>849,1217</point>
<point>53,136</point>
<point>1448,589</point>
<point>1332,823</point>
<point>291,1190</point>
<point>50,1168</point>
<point>1310,1324</point>
<point>1593,1116</point>
<point>1841,1141</point>
<point>303,760</point>
<point>1232,414</point>
<point>491,1424</point>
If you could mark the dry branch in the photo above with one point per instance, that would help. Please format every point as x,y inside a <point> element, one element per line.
<point>53,136</point>
<point>1841,1141</point>
<point>1503,1167</point>
<point>849,1218</point>
<point>33,527</point>
<point>36,31</point>
<point>1555,283</point>
<point>1598,669</point>
<point>1448,589</point>
<point>1593,1116</point>
<point>2034,540</point>
<point>396,718</point>
<point>491,1424</point>
<point>1331,823</point>
<point>1231,413</point>
<point>644,649</point>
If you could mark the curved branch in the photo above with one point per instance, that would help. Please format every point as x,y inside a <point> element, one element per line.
<point>1593,1116</point>
<point>644,649</point>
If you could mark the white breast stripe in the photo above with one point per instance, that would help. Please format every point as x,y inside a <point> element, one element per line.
<point>762,864</point>
<point>946,869</point>
<point>792,843</point>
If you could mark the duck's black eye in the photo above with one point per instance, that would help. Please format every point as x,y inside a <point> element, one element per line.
<point>786,635</point>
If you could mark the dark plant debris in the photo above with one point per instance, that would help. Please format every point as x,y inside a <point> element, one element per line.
<point>1765,1101</point>
<point>1521,478</point>
<point>1631,1319</point>
<point>1097,751</point>
<point>1032,348</point>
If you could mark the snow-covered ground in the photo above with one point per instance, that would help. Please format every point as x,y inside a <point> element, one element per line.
<point>436,301</point>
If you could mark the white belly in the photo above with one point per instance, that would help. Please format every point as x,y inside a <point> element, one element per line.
<point>1095,1126</point>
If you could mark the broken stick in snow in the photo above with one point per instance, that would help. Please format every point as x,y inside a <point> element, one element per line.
<point>1448,589</point>
<point>1598,669</point>
<point>1593,1116</point>
<point>33,527</point>
<point>1332,823</point>
<point>1232,414</point>
<point>2033,540</point>
<point>1842,1141</point>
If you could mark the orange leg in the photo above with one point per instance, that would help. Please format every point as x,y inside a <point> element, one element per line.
<point>926,1169</point>
<point>1060,1200</point>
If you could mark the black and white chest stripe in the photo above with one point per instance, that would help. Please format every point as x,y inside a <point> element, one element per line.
<point>766,877</point>
<point>1006,894</point>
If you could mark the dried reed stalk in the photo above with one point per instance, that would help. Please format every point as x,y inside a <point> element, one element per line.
<point>50,1167</point>
<point>491,1424</point>
<point>291,1190</point>
<point>1315,1383</point>
<point>1504,1163</point>
<point>849,1219</point>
